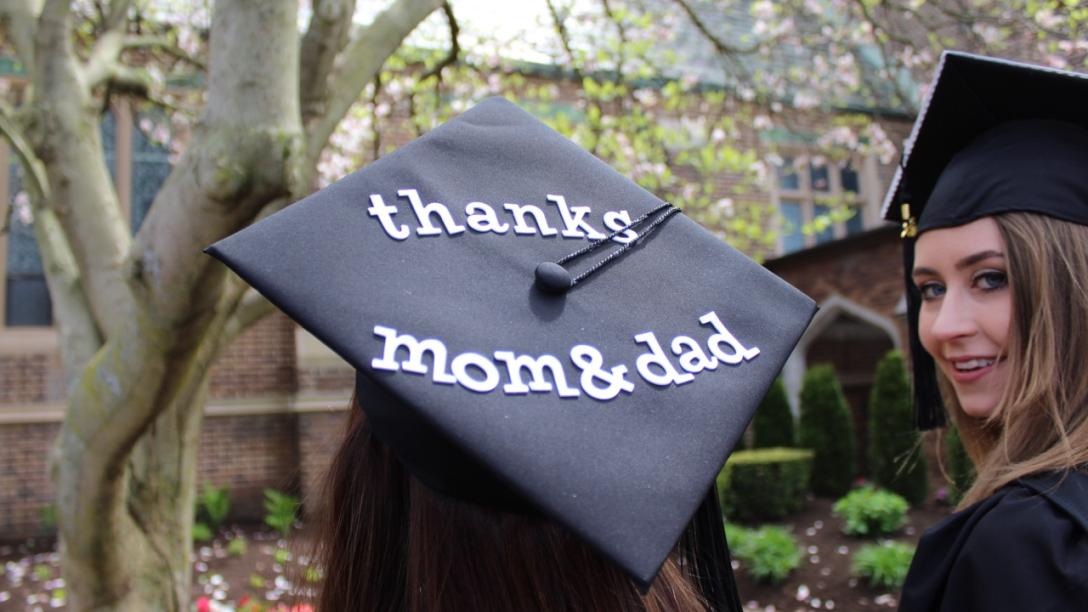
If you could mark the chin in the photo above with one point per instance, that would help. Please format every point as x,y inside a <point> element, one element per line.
<point>977,407</point>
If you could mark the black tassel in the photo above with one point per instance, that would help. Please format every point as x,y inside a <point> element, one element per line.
<point>706,555</point>
<point>928,407</point>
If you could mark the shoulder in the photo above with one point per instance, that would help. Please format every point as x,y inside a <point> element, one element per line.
<point>1029,548</point>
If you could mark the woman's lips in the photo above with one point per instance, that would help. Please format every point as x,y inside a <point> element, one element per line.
<point>966,376</point>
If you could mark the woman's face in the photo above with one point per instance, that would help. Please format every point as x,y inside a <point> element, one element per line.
<point>966,310</point>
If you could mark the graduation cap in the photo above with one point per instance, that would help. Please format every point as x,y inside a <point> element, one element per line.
<point>533,331</point>
<point>993,136</point>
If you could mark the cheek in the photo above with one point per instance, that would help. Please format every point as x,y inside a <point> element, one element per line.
<point>996,320</point>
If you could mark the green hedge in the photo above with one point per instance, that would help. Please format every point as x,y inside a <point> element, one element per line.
<point>870,512</point>
<point>896,461</point>
<point>827,427</point>
<point>768,554</point>
<point>764,484</point>
<point>773,423</point>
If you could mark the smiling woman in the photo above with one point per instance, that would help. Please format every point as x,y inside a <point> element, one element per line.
<point>997,265</point>
<point>966,310</point>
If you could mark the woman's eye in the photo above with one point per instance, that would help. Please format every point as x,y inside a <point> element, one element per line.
<point>990,280</point>
<point>931,290</point>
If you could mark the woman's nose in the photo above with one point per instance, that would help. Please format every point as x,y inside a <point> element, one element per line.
<point>955,318</point>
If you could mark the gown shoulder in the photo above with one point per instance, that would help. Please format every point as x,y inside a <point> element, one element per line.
<point>1023,548</point>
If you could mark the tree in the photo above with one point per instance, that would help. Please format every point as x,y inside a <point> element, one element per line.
<point>895,446</point>
<point>142,317</point>
<point>773,424</point>
<point>828,429</point>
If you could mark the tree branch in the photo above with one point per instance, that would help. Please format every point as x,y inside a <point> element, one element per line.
<point>20,21</point>
<point>455,46</point>
<point>79,334</point>
<point>328,32</point>
<point>160,43</point>
<point>68,142</point>
<point>363,59</point>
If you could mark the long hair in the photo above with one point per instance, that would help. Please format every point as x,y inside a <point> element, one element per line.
<point>1041,420</point>
<point>387,542</point>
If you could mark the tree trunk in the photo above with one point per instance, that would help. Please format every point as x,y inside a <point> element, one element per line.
<point>137,554</point>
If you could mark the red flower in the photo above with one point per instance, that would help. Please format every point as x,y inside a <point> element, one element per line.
<point>203,604</point>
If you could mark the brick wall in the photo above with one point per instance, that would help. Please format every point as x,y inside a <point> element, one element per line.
<point>866,269</point>
<point>30,378</point>
<point>25,487</point>
<point>259,362</point>
<point>249,453</point>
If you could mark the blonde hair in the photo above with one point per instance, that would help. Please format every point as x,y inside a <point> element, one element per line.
<point>1041,420</point>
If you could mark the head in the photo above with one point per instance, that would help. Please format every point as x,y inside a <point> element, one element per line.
<point>1004,314</point>
<point>388,542</point>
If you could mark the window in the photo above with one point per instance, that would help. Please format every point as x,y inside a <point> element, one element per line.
<point>820,200</point>
<point>138,167</point>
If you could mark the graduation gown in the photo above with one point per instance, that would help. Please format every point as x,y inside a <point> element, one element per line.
<point>1025,548</point>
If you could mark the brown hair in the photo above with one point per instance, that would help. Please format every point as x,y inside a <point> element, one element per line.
<point>1041,420</point>
<point>387,542</point>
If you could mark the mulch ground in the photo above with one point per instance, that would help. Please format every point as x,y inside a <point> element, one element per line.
<point>270,567</point>
<point>823,581</point>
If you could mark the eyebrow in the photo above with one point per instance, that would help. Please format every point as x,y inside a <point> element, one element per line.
<point>966,262</point>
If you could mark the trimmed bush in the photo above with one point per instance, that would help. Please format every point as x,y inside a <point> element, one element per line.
<point>828,429</point>
<point>768,553</point>
<point>764,484</point>
<point>895,446</point>
<point>883,565</point>
<point>773,423</point>
<point>960,468</point>
<point>869,511</point>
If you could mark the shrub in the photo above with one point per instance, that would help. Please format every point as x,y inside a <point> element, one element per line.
<point>883,565</point>
<point>895,446</point>
<point>869,511</point>
<point>201,532</point>
<point>765,484</point>
<point>768,553</point>
<point>237,546</point>
<point>773,423</point>
<point>827,428</point>
<point>962,471</point>
<point>213,505</point>
<point>280,509</point>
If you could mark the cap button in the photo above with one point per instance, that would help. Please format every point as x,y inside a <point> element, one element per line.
<point>552,278</point>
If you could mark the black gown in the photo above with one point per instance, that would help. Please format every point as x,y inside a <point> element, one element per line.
<point>1023,549</point>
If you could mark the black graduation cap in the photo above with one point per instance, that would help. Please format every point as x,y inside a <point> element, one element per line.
<point>603,390</point>
<point>993,136</point>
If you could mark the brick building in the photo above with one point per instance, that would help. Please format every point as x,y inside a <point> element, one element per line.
<point>278,396</point>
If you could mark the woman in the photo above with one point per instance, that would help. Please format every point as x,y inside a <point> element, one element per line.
<point>998,288</point>
<point>388,542</point>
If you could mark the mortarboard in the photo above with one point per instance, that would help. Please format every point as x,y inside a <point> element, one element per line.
<point>993,136</point>
<point>532,330</point>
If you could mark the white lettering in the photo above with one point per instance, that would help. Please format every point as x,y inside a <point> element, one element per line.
<point>694,360</point>
<point>416,349</point>
<point>656,358</point>
<point>464,361</point>
<point>482,218</point>
<point>738,352</point>
<point>384,213</point>
<point>574,226</point>
<point>423,215</point>
<point>536,366</point>
<point>521,227</point>
<point>616,220</point>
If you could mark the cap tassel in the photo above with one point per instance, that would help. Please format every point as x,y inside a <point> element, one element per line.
<point>706,552</point>
<point>928,407</point>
